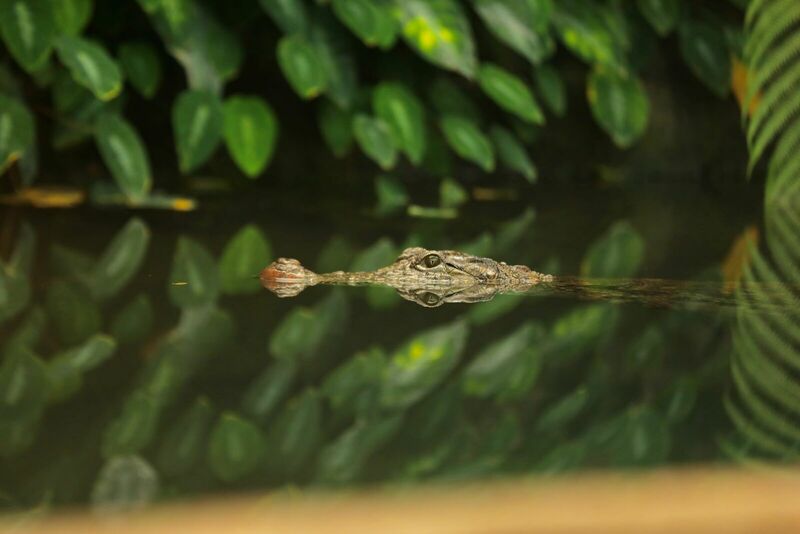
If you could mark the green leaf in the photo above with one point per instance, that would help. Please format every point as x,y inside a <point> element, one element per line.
<point>403,112</point>
<point>563,411</point>
<point>289,15</point>
<point>197,120</point>
<point>71,16</point>
<point>185,441</point>
<point>391,193</point>
<point>24,386</point>
<point>296,434</point>
<point>302,66</point>
<point>506,369</point>
<point>134,428</point>
<point>236,447</point>
<point>120,260</point>
<point>16,131</point>
<point>142,66</point>
<point>243,258</point>
<point>512,153</point>
<point>468,141</point>
<point>343,459</point>
<point>448,98</point>
<point>336,126</point>
<point>66,368</point>
<point>584,30</point>
<point>451,194</point>
<point>581,330</point>
<point>510,234</point>
<point>303,333</point>
<point>269,388</point>
<point>251,130</point>
<point>705,51</point>
<point>374,137</point>
<point>72,311</point>
<point>619,104</point>
<point>510,93</point>
<point>90,65</point>
<point>421,364</point>
<point>661,14</point>
<point>439,31</point>
<point>125,155</point>
<point>521,24</point>
<point>618,253</point>
<point>28,31</point>
<point>646,351</point>
<point>486,312</point>
<point>193,279</point>
<point>134,322</point>
<point>363,18</point>
<point>332,45</point>
<point>551,88</point>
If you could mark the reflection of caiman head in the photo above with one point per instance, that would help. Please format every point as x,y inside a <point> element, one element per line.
<point>427,277</point>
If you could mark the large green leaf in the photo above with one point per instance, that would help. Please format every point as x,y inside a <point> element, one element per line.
<point>449,98</point>
<point>197,121</point>
<point>619,104</point>
<point>705,51</point>
<point>551,88</point>
<point>90,65</point>
<point>193,279</point>
<point>120,260</point>
<point>521,24</point>
<point>512,153</point>
<point>661,14</point>
<point>402,111</point>
<point>337,58</point>
<point>336,126</point>
<point>134,428</point>
<point>420,364</point>
<point>125,155</point>
<point>244,256</point>
<point>371,20</point>
<point>302,66</point>
<point>142,66</point>
<point>28,31</point>
<point>289,15</point>
<point>584,30</point>
<point>439,31</point>
<point>468,141</point>
<point>618,253</point>
<point>71,16</point>
<point>251,130</point>
<point>16,131</point>
<point>375,139</point>
<point>236,447</point>
<point>506,369</point>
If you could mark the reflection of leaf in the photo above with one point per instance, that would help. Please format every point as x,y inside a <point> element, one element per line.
<point>72,311</point>
<point>134,321</point>
<point>134,428</point>
<point>236,447</point>
<point>421,363</point>
<point>295,434</point>
<point>120,260</point>
<point>269,388</point>
<point>193,279</point>
<point>67,368</point>
<point>24,386</point>
<point>507,368</point>
<point>125,483</point>
<point>352,387</point>
<point>185,441</point>
<point>303,333</point>
<point>391,194</point>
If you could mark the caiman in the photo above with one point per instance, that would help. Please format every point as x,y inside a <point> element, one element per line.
<point>435,277</point>
<point>428,277</point>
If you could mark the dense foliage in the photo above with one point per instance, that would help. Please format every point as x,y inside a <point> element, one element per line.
<point>484,81</point>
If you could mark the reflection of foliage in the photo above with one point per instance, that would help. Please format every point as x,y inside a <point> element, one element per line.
<point>70,50</point>
<point>766,367</point>
<point>477,395</point>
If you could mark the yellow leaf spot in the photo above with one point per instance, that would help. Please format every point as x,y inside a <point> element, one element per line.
<point>416,351</point>
<point>738,258</point>
<point>427,40</point>
<point>739,78</point>
<point>447,35</point>
<point>414,26</point>
<point>571,37</point>
<point>183,204</point>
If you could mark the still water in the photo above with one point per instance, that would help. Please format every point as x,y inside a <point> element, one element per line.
<point>142,361</point>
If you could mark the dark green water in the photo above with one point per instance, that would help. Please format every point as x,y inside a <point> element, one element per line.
<point>217,393</point>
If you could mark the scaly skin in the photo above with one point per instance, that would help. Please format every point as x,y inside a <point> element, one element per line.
<point>428,277</point>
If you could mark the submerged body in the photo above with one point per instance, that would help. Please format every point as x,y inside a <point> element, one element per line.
<point>428,277</point>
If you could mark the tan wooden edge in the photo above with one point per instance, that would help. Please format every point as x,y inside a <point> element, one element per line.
<point>685,500</point>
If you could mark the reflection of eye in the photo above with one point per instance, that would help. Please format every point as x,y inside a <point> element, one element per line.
<point>431,299</point>
<point>430,261</point>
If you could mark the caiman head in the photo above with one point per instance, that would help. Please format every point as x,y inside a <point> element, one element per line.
<point>428,277</point>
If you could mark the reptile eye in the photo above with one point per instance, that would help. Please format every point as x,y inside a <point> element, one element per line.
<point>431,299</point>
<point>430,261</point>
